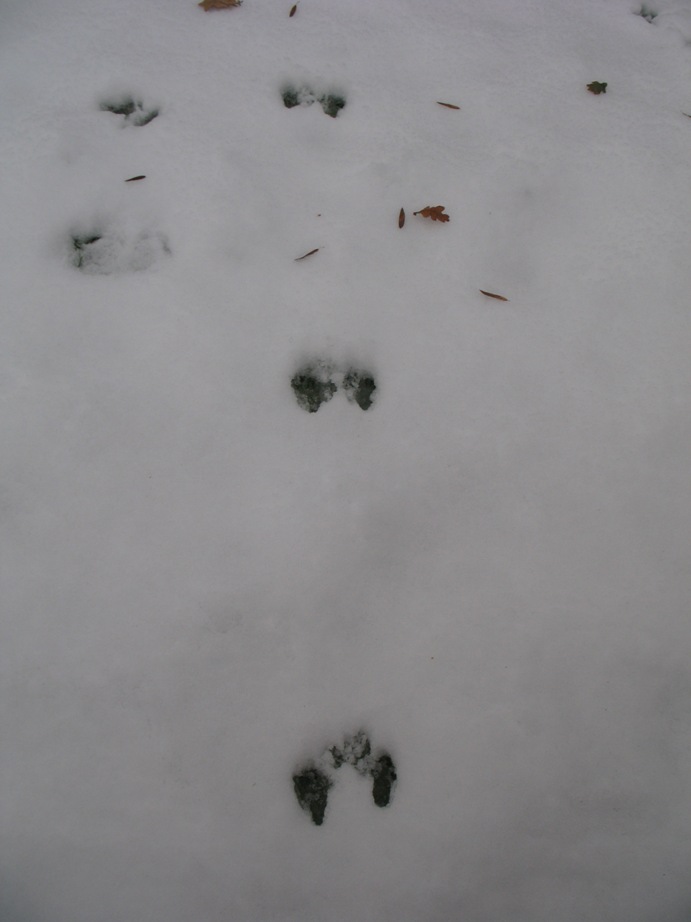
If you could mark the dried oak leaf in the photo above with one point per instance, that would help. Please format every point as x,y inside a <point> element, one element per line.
<point>207,5</point>
<point>435,212</point>
<point>491,295</point>
<point>401,218</point>
<point>597,88</point>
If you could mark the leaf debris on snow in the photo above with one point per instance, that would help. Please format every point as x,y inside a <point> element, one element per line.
<point>597,88</point>
<point>434,212</point>
<point>447,105</point>
<point>135,178</point>
<point>492,295</point>
<point>293,10</point>
<point>401,218</point>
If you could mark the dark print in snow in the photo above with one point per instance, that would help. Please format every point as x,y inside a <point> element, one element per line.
<point>316,382</point>
<point>313,781</point>
<point>133,111</point>
<point>313,386</point>
<point>108,251</point>
<point>331,103</point>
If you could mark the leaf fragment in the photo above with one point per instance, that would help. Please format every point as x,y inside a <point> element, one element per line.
<point>401,218</point>
<point>135,178</point>
<point>597,88</point>
<point>447,105</point>
<point>491,295</point>
<point>293,10</point>
<point>306,255</point>
<point>207,5</point>
<point>434,212</point>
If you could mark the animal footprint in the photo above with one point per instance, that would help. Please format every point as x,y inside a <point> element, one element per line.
<point>133,110</point>
<point>384,774</point>
<point>359,387</point>
<point>331,103</point>
<point>313,783</point>
<point>311,787</point>
<point>315,384</point>
<point>109,251</point>
<point>647,13</point>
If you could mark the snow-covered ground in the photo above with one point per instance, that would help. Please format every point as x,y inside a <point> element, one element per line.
<point>204,586</point>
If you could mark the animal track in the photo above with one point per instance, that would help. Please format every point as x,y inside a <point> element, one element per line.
<point>359,387</point>
<point>646,13</point>
<point>313,782</point>
<point>331,103</point>
<point>314,385</point>
<point>384,774</point>
<point>311,787</point>
<point>132,110</point>
<point>108,251</point>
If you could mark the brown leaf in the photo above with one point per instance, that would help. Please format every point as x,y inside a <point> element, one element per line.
<point>293,10</point>
<point>435,212</point>
<point>401,218</point>
<point>207,5</point>
<point>490,295</point>
<point>597,88</point>
<point>448,105</point>
<point>306,255</point>
<point>135,178</point>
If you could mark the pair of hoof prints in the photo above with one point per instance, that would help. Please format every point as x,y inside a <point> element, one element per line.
<point>105,250</point>
<point>331,103</point>
<point>132,110</point>
<point>314,385</point>
<point>313,782</point>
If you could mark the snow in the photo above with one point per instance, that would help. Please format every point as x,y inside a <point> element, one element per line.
<point>205,586</point>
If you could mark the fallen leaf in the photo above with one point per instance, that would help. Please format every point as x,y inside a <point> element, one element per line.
<point>401,218</point>
<point>448,105</point>
<point>135,178</point>
<point>597,88</point>
<point>435,212</point>
<point>293,10</point>
<point>306,255</point>
<point>207,5</point>
<point>490,295</point>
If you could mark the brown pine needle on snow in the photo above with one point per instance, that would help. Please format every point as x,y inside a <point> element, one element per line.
<point>489,294</point>
<point>306,255</point>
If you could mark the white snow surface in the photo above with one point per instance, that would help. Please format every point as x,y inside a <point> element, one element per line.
<point>203,585</point>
